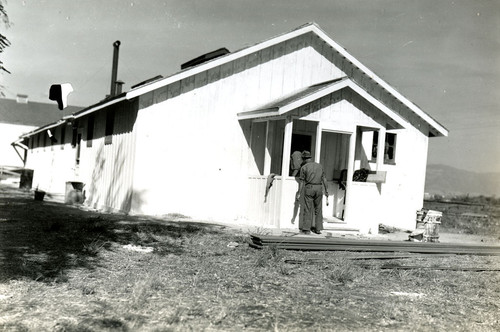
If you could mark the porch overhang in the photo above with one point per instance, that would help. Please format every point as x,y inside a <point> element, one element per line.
<point>286,105</point>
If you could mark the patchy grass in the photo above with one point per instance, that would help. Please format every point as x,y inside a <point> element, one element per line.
<point>76,270</point>
<point>467,217</point>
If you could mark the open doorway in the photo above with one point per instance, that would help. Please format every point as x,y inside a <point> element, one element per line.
<point>334,157</point>
<point>300,143</point>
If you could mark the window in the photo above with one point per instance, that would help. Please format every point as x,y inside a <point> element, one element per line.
<point>389,150</point>
<point>110,123</point>
<point>374,146</point>
<point>90,130</point>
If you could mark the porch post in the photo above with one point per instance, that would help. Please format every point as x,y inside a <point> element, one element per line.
<point>318,142</point>
<point>269,146</point>
<point>285,165</point>
<point>381,148</point>
<point>350,173</point>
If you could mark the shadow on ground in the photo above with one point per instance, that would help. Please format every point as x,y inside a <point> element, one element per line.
<point>42,240</point>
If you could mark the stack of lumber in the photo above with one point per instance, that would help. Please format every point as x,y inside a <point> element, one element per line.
<point>340,244</point>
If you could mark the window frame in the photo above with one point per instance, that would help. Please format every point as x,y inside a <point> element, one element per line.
<point>393,146</point>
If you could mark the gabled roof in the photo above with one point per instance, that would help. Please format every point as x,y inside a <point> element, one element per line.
<point>30,113</point>
<point>315,92</point>
<point>437,128</point>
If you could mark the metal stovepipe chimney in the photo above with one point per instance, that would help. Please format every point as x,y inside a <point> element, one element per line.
<point>114,71</point>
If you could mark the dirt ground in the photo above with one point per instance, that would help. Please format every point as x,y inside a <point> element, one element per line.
<point>22,206</point>
<point>68,268</point>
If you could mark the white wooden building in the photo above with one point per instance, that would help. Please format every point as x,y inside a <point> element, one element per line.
<point>203,141</point>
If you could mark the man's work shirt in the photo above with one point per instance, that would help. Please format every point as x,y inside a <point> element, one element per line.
<point>311,173</point>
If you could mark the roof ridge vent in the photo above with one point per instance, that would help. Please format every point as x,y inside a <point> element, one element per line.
<point>22,99</point>
<point>149,80</point>
<point>205,57</point>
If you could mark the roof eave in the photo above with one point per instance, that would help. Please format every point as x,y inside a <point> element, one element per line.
<point>40,129</point>
<point>260,113</point>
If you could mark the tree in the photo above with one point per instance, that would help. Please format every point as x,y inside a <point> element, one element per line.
<point>4,42</point>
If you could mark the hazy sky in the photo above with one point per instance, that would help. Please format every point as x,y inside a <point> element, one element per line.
<point>443,55</point>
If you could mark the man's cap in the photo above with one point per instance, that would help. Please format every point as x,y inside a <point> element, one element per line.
<point>306,155</point>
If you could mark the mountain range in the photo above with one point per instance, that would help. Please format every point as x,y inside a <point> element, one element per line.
<point>447,180</point>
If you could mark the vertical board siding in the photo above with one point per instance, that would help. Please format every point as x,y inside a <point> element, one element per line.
<point>264,212</point>
<point>108,168</point>
<point>52,166</point>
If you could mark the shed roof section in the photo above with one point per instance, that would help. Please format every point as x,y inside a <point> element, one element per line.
<point>290,103</point>
<point>311,90</point>
<point>30,113</point>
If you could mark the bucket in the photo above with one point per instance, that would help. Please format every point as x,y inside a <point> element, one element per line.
<point>39,195</point>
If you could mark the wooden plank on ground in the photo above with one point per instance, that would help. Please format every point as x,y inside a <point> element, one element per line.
<point>268,239</point>
<point>440,268</point>
<point>322,244</point>
<point>368,257</point>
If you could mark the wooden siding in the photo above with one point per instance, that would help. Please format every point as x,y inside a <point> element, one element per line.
<point>107,169</point>
<point>264,212</point>
<point>53,165</point>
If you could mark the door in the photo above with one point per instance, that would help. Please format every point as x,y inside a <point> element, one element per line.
<point>334,156</point>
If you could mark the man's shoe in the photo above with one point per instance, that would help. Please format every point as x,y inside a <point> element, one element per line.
<point>314,230</point>
<point>303,231</point>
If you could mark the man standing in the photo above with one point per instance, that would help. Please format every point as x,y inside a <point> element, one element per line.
<point>295,163</point>
<point>311,182</point>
